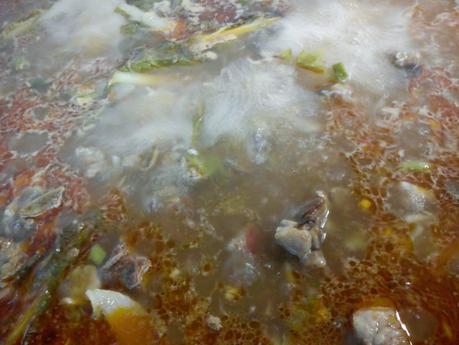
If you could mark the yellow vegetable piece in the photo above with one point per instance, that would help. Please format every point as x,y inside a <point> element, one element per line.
<point>206,41</point>
<point>365,204</point>
<point>233,294</point>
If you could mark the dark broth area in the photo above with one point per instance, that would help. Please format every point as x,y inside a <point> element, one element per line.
<point>180,182</point>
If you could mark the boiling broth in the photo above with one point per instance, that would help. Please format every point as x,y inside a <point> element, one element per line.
<point>150,150</point>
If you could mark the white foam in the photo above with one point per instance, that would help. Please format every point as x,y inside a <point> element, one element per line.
<point>249,95</point>
<point>360,34</point>
<point>145,118</point>
<point>84,26</point>
<point>255,103</point>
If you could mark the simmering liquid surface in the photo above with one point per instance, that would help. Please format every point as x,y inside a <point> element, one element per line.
<point>152,152</point>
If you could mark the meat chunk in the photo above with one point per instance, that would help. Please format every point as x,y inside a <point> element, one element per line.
<point>380,326</point>
<point>296,241</point>
<point>303,238</point>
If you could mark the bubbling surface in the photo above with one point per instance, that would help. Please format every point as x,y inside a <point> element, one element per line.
<point>182,182</point>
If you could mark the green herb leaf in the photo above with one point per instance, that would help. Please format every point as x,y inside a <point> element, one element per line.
<point>340,72</point>
<point>97,254</point>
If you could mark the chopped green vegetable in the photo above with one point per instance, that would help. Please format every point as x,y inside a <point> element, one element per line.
<point>286,54</point>
<point>149,63</point>
<point>412,165</point>
<point>310,61</point>
<point>340,72</point>
<point>97,254</point>
<point>168,54</point>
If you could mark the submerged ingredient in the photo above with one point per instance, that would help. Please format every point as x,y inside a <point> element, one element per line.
<point>160,162</point>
